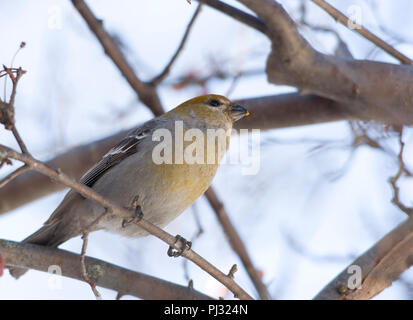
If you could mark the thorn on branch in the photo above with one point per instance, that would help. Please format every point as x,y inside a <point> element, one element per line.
<point>232,271</point>
<point>85,276</point>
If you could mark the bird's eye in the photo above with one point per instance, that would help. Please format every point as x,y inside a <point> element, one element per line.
<point>214,103</point>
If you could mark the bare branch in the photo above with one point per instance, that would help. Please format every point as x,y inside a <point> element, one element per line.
<point>19,140</point>
<point>26,255</point>
<point>13,175</point>
<point>167,68</point>
<point>85,238</point>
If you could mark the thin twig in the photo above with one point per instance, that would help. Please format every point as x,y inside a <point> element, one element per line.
<point>344,20</point>
<point>19,140</point>
<point>83,267</point>
<point>158,79</point>
<point>85,238</point>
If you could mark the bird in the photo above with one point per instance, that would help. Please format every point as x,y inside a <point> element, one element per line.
<point>136,173</point>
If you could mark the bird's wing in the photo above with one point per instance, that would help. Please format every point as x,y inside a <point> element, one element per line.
<point>126,147</point>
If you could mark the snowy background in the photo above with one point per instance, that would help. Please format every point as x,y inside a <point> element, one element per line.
<point>304,217</point>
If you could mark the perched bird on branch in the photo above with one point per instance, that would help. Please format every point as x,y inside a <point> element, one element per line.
<point>157,170</point>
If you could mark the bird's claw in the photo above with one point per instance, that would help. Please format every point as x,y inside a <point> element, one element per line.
<point>136,217</point>
<point>183,245</point>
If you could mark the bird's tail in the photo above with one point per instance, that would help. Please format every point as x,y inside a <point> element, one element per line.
<point>45,236</point>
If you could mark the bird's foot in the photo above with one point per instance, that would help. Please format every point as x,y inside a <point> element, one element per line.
<point>183,245</point>
<point>137,216</point>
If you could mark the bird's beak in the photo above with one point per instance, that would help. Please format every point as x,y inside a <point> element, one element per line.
<point>238,112</point>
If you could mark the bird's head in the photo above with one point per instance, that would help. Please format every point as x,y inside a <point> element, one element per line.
<point>210,108</point>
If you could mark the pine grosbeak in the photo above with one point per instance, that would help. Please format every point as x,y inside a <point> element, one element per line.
<point>129,175</point>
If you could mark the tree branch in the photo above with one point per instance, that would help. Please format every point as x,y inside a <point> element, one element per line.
<point>106,275</point>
